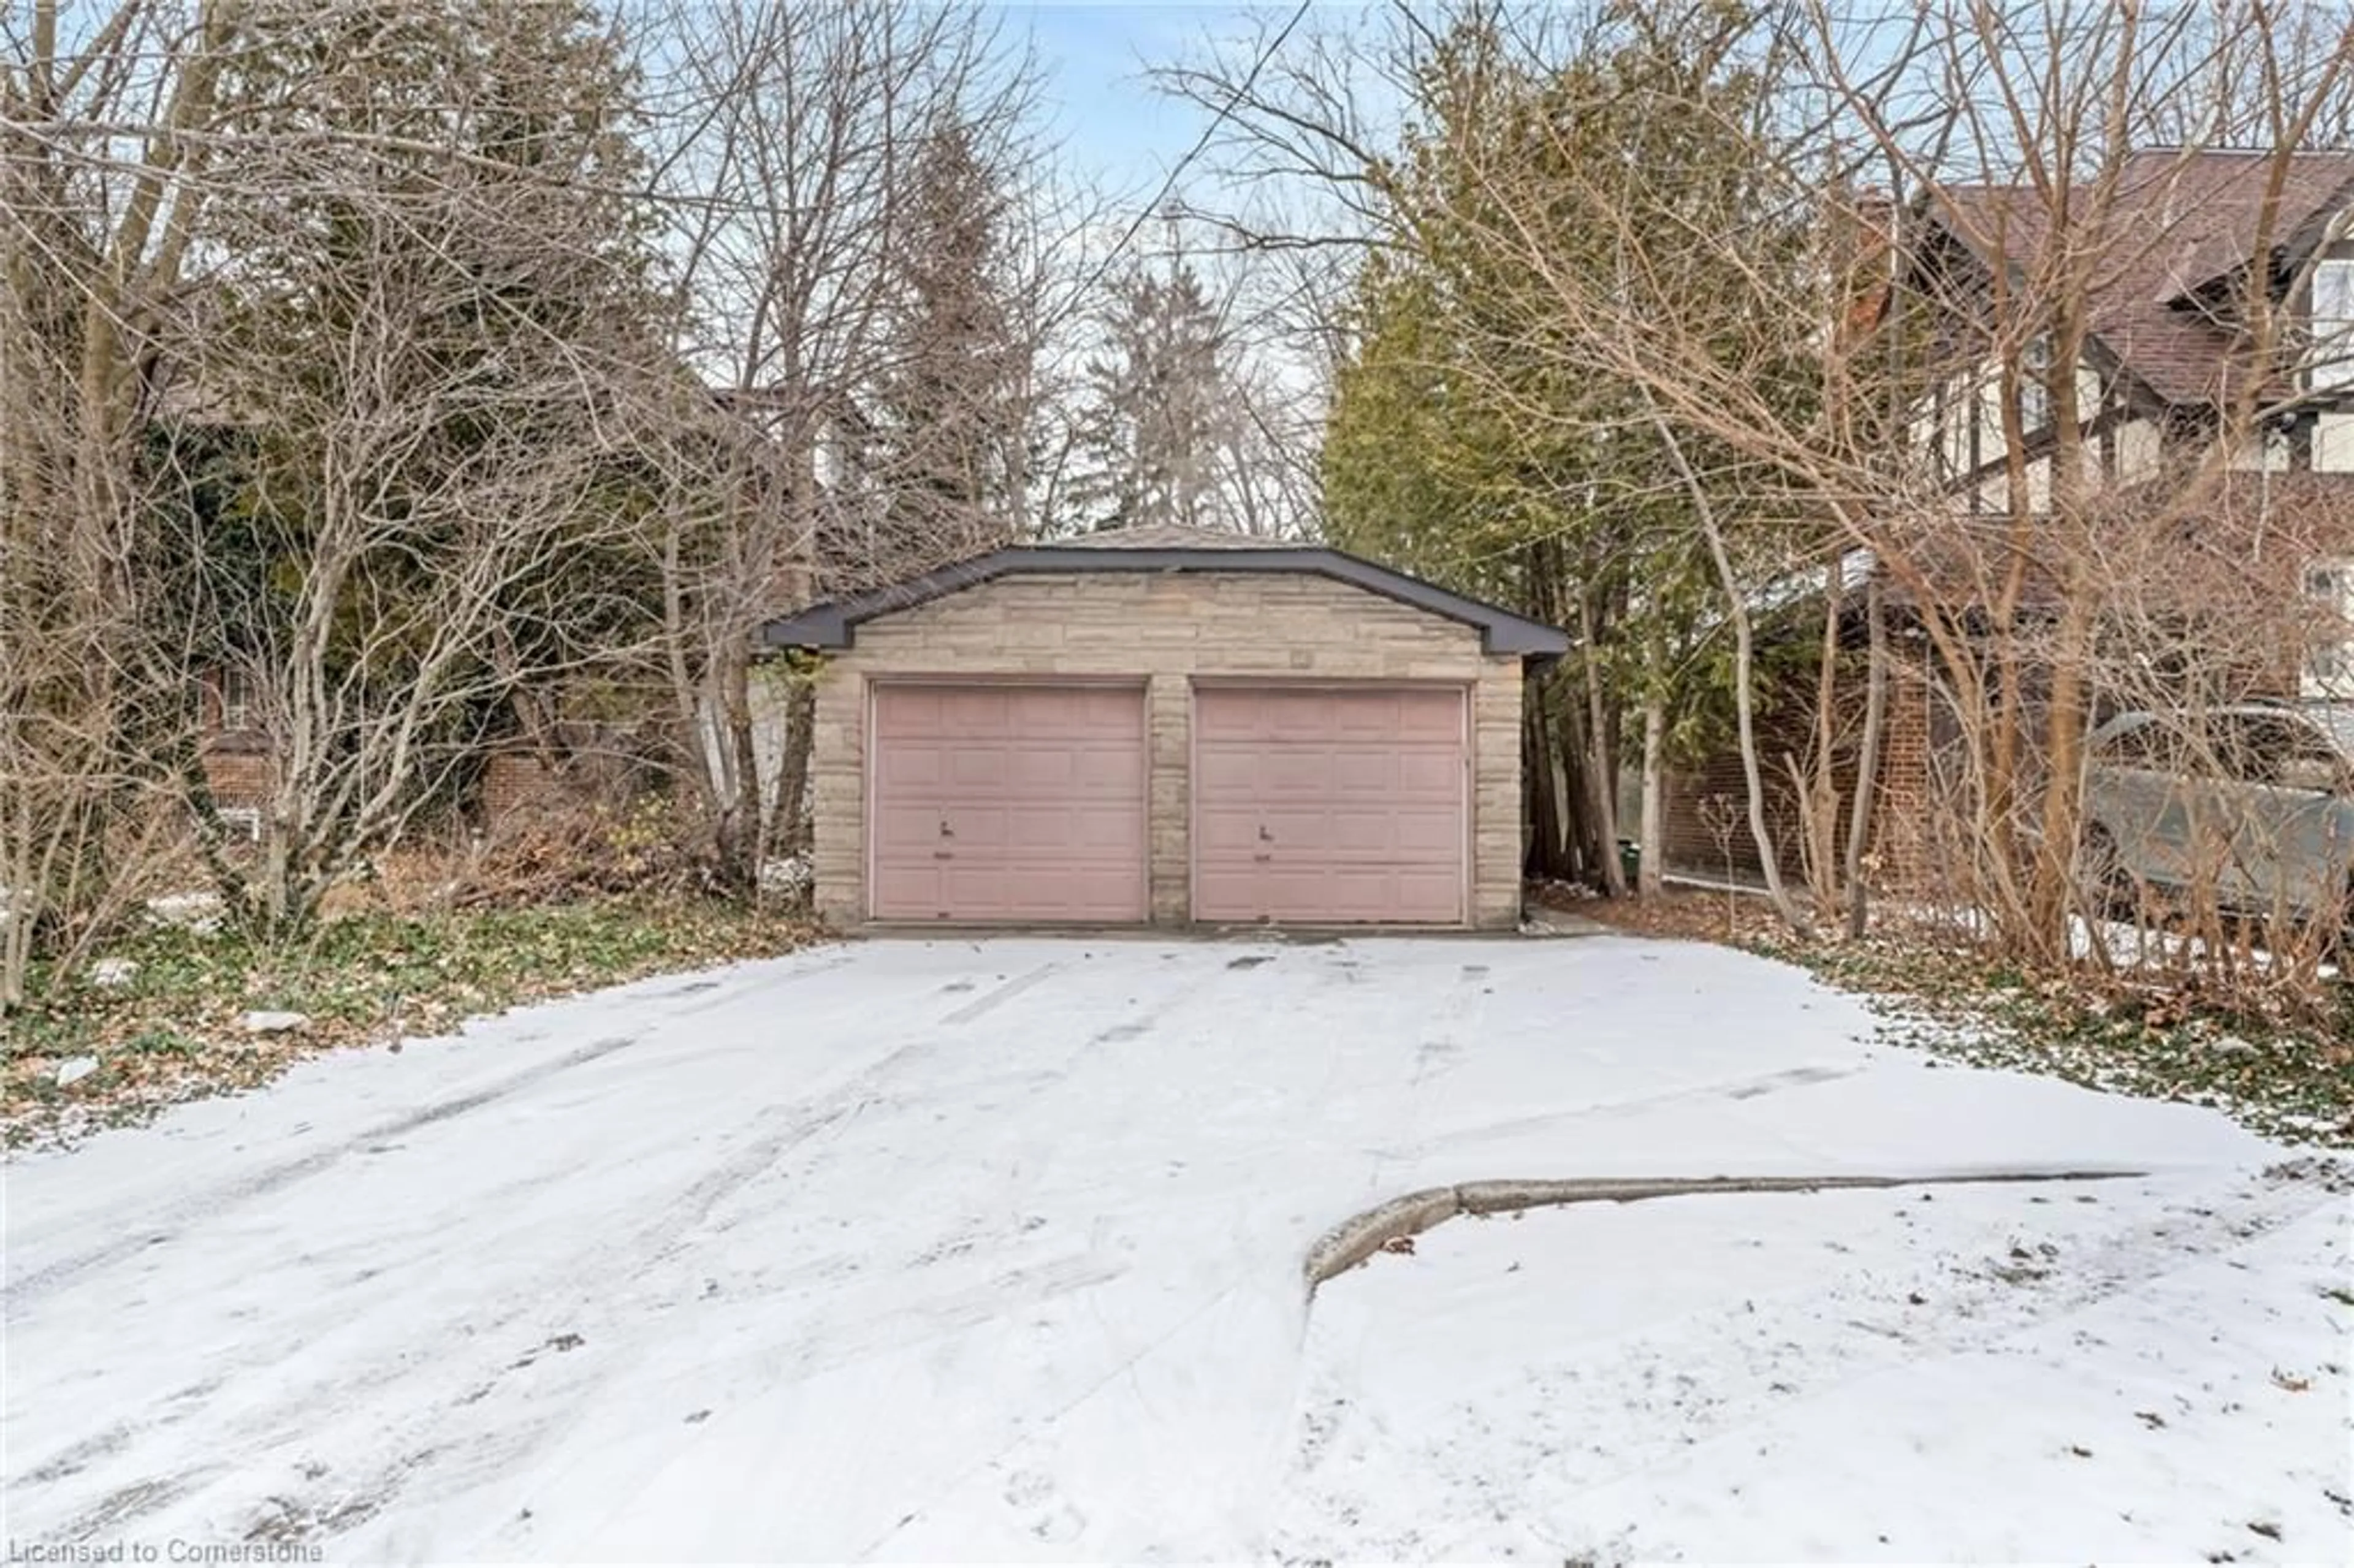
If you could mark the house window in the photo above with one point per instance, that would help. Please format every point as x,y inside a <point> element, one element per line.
<point>2333,324</point>
<point>2035,387</point>
<point>2329,651</point>
<point>235,701</point>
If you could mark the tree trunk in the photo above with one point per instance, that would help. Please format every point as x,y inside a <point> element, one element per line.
<point>1601,781</point>
<point>1653,843</point>
<point>1867,762</point>
<point>1744,669</point>
<point>1820,788</point>
<point>788,830</point>
<point>2050,885</point>
<point>1573,752</point>
<point>1546,835</point>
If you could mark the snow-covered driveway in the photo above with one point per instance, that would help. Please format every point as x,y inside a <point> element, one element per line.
<point>898,1249</point>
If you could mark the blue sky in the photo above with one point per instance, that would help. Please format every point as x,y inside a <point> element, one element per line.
<point>1096,55</point>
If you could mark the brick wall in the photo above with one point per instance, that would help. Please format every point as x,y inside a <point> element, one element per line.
<point>1698,834</point>
<point>1169,627</point>
<point>512,781</point>
<point>1904,814</point>
<point>239,776</point>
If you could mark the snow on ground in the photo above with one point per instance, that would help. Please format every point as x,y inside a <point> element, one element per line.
<point>2102,1372</point>
<point>939,1249</point>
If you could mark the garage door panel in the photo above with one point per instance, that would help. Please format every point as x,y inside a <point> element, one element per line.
<point>1423,835</point>
<point>1031,830</point>
<point>907,886</point>
<point>1225,767</point>
<point>1042,789</point>
<point>1424,774</point>
<point>919,711</point>
<point>1428,896</point>
<point>1330,803</point>
<point>1427,835</point>
<point>910,766</point>
<point>907,825</point>
<point>1111,770</point>
<point>1108,707</point>
<point>981,766</point>
<point>1226,829</point>
<point>1351,894</point>
<point>1363,773</point>
<point>1064,895</point>
<point>1431,719</point>
<point>1299,827</point>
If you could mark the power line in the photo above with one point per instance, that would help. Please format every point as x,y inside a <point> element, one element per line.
<point>1201,143</point>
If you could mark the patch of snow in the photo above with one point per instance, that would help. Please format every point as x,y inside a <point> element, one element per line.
<point>194,911</point>
<point>2150,1370</point>
<point>266,1022</point>
<point>1710,885</point>
<point>2131,946</point>
<point>991,1247</point>
<point>789,876</point>
<point>74,1069</point>
<point>114,973</point>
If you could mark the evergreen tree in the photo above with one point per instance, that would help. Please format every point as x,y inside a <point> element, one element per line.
<point>949,428</point>
<point>1159,404</point>
<point>438,311</point>
<point>1473,436</point>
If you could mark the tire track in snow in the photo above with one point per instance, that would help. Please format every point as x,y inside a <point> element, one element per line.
<point>278,1425</point>
<point>462,1460</point>
<point>833,1339</point>
<point>31,1288</point>
<point>1733,1090</point>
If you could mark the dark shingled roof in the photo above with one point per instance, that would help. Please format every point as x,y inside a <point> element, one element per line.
<point>1158,549</point>
<point>1173,537</point>
<point>2182,223</point>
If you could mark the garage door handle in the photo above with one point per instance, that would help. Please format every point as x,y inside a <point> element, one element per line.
<point>1262,856</point>
<point>944,854</point>
<point>1264,836</point>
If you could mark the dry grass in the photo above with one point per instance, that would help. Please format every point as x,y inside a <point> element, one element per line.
<point>2162,1035</point>
<point>424,939</point>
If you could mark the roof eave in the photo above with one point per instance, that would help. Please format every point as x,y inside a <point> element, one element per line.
<point>834,625</point>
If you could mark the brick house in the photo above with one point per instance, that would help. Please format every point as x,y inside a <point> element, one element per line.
<point>232,747</point>
<point>583,760</point>
<point>1165,726</point>
<point>2167,368</point>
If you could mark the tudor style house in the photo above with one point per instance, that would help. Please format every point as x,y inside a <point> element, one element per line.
<point>2240,420</point>
<point>2174,359</point>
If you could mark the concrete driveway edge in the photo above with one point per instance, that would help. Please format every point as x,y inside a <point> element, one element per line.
<point>1355,1239</point>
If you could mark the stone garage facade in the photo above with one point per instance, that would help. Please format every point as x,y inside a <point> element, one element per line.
<point>1168,728</point>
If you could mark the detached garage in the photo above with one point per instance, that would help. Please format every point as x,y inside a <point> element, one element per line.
<point>1169,727</point>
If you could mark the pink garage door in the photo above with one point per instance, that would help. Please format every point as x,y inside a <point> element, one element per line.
<point>1009,803</point>
<point>1332,803</point>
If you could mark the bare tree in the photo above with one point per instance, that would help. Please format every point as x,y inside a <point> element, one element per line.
<point>106,158</point>
<point>803,149</point>
<point>1936,213</point>
<point>433,307</point>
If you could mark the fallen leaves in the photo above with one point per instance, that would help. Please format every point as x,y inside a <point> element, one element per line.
<point>180,1027</point>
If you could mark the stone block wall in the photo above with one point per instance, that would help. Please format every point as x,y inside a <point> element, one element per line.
<point>1169,629</point>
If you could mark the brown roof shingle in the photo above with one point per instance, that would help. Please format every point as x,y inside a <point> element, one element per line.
<point>1174,537</point>
<point>2180,221</point>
